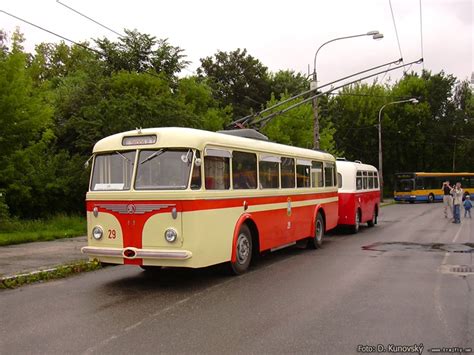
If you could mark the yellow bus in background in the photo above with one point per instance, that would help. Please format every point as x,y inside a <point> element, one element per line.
<point>427,187</point>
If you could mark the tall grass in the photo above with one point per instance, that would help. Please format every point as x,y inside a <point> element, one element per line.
<point>15,231</point>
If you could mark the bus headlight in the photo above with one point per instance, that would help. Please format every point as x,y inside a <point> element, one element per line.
<point>97,232</point>
<point>171,235</point>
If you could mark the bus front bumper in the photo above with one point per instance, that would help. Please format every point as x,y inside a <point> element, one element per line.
<point>135,253</point>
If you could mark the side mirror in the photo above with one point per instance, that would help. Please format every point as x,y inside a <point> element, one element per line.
<point>87,163</point>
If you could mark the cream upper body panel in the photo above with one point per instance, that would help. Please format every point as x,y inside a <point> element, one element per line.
<point>174,137</point>
<point>348,171</point>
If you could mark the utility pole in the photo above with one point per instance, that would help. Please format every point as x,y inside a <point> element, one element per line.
<point>413,101</point>
<point>314,86</point>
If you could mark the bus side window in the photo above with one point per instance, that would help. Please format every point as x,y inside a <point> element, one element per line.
<point>371,180</point>
<point>376,180</point>
<point>244,170</point>
<point>287,172</point>
<point>328,174</point>
<point>269,174</point>
<point>419,183</point>
<point>217,173</point>
<point>303,173</point>
<point>364,181</point>
<point>359,180</point>
<point>196,180</point>
<point>317,174</point>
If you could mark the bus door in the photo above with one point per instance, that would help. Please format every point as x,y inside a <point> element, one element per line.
<point>288,181</point>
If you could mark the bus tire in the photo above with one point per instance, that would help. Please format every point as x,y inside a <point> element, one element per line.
<point>373,221</point>
<point>431,198</point>
<point>243,251</point>
<point>356,226</point>
<point>316,241</point>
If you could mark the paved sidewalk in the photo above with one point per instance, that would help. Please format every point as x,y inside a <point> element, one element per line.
<point>28,257</point>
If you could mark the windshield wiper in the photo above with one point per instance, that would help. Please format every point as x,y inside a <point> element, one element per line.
<point>154,155</point>
<point>123,156</point>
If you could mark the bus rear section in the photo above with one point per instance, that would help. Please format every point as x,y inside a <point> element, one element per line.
<point>359,194</point>
<point>190,198</point>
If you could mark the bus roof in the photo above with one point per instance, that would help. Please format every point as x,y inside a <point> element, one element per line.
<point>351,166</point>
<point>175,137</point>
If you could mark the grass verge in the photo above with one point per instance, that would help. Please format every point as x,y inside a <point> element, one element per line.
<point>16,231</point>
<point>388,202</point>
<point>57,272</point>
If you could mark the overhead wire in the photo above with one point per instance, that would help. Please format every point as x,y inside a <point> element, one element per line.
<point>65,38</point>
<point>396,31</point>
<point>264,120</point>
<point>102,25</point>
<point>421,34</point>
<point>53,33</point>
<point>253,116</point>
<point>89,18</point>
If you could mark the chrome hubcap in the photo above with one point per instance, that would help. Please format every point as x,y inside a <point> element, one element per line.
<point>243,249</point>
<point>319,231</point>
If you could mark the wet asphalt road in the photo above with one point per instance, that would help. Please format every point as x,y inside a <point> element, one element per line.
<point>326,301</point>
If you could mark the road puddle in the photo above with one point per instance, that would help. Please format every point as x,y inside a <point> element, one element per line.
<point>430,247</point>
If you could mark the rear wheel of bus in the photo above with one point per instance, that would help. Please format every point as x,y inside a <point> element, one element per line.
<point>356,226</point>
<point>317,240</point>
<point>243,251</point>
<point>373,221</point>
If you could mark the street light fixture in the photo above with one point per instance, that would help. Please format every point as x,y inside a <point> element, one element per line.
<point>413,101</point>
<point>314,84</point>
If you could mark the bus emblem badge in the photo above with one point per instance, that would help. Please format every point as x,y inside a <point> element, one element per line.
<point>131,209</point>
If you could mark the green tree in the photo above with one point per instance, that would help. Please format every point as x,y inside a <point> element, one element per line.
<point>139,52</point>
<point>288,82</point>
<point>295,127</point>
<point>238,80</point>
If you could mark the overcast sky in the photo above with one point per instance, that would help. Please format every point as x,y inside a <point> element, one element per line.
<point>281,34</point>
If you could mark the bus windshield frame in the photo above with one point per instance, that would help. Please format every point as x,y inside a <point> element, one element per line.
<point>142,169</point>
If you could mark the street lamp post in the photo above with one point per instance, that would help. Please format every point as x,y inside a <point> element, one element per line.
<point>314,83</point>
<point>413,101</point>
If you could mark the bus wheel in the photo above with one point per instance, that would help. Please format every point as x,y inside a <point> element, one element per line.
<point>373,221</point>
<point>430,198</point>
<point>356,226</point>
<point>317,240</point>
<point>243,251</point>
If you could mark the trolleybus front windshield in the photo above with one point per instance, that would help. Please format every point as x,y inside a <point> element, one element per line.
<point>113,171</point>
<point>163,169</point>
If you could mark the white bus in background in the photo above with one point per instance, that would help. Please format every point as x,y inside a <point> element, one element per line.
<point>359,194</point>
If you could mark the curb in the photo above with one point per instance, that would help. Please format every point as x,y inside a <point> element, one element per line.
<point>53,273</point>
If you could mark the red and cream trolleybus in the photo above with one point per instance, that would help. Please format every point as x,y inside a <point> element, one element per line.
<point>359,194</point>
<point>180,197</point>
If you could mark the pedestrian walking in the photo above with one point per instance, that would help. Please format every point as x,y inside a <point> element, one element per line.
<point>467,206</point>
<point>447,199</point>
<point>457,192</point>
